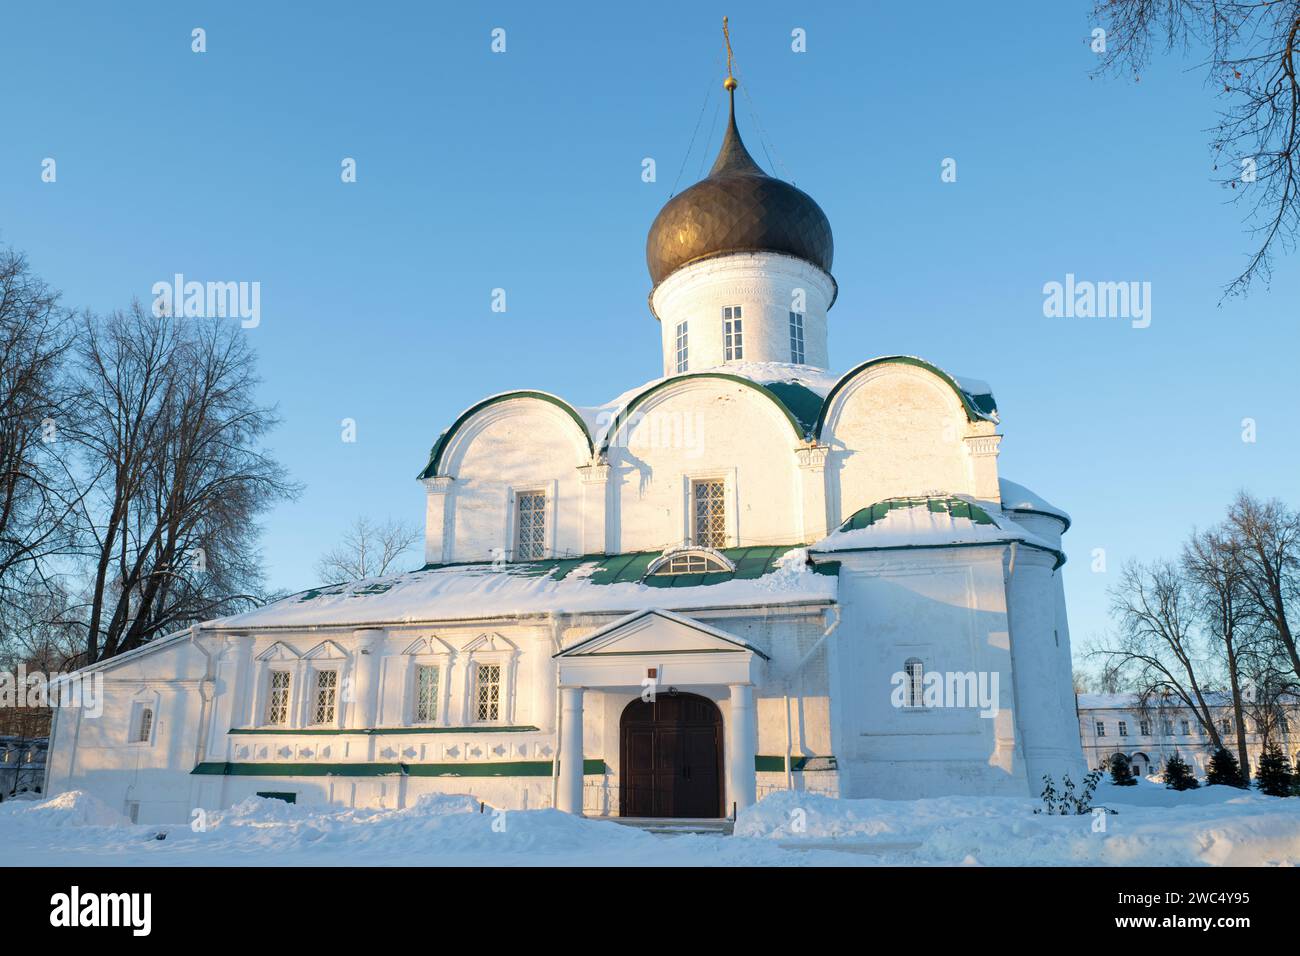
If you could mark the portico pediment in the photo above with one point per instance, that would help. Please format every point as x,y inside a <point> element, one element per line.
<point>658,633</point>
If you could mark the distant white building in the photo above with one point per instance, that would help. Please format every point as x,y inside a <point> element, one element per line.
<point>1112,724</point>
<point>747,574</point>
<point>22,765</point>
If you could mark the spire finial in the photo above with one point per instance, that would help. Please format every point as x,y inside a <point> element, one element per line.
<point>729,84</point>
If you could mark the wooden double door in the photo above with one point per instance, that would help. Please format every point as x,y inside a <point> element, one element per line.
<point>670,758</point>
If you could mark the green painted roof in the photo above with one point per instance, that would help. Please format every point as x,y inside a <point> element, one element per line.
<point>435,453</point>
<point>804,408</point>
<point>866,517</point>
<point>752,562</point>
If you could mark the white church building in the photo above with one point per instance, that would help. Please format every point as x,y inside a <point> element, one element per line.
<point>749,574</point>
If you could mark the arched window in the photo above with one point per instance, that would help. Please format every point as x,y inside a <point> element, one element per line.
<point>690,561</point>
<point>914,669</point>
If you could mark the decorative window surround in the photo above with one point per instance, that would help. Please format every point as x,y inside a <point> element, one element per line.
<point>278,657</point>
<point>427,652</point>
<point>548,488</point>
<point>143,728</point>
<point>489,649</point>
<point>731,505</point>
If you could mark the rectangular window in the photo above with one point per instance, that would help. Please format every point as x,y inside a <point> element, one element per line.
<point>733,336</point>
<point>327,686</point>
<point>1123,728</point>
<point>914,670</point>
<point>1187,727</point>
<point>1167,727</point>
<point>1144,728</point>
<point>1101,728</point>
<point>487,692</point>
<point>710,514</point>
<point>796,338</point>
<point>683,353</point>
<point>530,515</point>
<point>277,704</point>
<point>146,725</point>
<point>426,693</point>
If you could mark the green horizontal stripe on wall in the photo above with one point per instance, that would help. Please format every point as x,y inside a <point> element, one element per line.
<point>502,768</point>
<point>373,731</point>
<point>769,764</point>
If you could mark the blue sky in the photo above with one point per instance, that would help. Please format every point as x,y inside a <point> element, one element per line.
<point>523,171</point>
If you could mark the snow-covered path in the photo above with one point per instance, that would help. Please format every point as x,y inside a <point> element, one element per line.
<point>1211,826</point>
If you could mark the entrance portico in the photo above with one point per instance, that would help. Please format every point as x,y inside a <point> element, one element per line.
<point>657,652</point>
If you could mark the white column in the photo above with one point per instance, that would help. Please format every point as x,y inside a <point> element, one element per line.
<point>437,519</point>
<point>569,797</point>
<point>742,745</point>
<point>361,713</point>
<point>595,507</point>
<point>812,482</point>
<point>982,454</point>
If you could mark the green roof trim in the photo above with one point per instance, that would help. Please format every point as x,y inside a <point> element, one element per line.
<point>799,427</point>
<point>978,407</point>
<point>957,507</point>
<point>501,768</point>
<point>435,454</point>
<point>750,563</point>
<point>765,763</point>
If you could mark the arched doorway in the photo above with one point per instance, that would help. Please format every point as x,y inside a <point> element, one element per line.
<point>670,757</point>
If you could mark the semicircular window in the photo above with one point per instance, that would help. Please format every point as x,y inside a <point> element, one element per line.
<point>690,561</point>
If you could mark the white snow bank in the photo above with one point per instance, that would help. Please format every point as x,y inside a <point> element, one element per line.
<point>1212,826</point>
<point>1153,826</point>
<point>74,808</point>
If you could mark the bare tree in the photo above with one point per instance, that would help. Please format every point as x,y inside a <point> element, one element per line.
<point>1216,577</point>
<point>1252,58</point>
<point>1266,537</point>
<point>1157,647</point>
<point>369,550</point>
<point>172,475</point>
<point>34,502</point>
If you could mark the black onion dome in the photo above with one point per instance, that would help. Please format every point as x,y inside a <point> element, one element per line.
<point>737,208</point>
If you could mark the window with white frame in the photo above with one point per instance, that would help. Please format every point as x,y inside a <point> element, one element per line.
<point>144,725</point>
<point>426,693</point>
<point>709,513</point>
<point>914,672</point>
<point>683,352</point>
<point>327,689</point>
<point>796,338</point>
<point>487,692</point>
<point>689,562</point>
<point>1123,728</point>
<point>1186,727</point>
<point>1144,728</point>
<point>1101,728</point>
<point>1167,727</point>
<point>277,702</point>
<point>530,524</point>
<point>733,336</point>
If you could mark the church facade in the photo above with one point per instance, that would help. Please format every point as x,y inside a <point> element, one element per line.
<point>746,575</point>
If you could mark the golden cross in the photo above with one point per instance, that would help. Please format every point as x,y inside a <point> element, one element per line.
<point>730,83</point>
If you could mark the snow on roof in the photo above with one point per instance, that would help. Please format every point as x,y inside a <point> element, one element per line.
<point>926,523</point>
<point>1016,497</point>
<point>573,585</point>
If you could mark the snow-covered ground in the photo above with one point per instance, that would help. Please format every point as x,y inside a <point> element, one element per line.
<point>1210,826</point>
